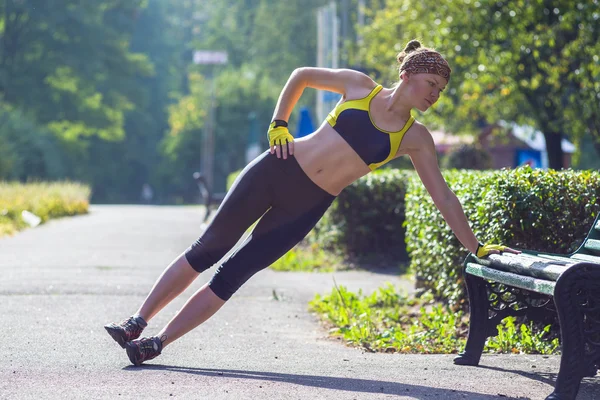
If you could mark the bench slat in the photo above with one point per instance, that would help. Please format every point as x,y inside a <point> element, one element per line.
<point>592,245</point>
<point>586,257</point>
<point>523,282</point>
<point>556,257</point>
<point>575,257</point>
<point>597,227</point>
<point>528,264</point>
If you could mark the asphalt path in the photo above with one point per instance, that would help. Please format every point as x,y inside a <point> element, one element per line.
<point>62,281</point>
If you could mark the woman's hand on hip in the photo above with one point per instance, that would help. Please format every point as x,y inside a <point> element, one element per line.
<point>280,140</point>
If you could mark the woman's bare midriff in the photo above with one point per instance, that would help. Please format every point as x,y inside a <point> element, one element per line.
<point>328,160</point>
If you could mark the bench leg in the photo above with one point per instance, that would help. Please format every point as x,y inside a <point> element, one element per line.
<point>577,299</point>
<point>478,322</point>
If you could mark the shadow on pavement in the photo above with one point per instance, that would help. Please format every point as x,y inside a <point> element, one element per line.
<point>547,377</point>
<point>329,382</point>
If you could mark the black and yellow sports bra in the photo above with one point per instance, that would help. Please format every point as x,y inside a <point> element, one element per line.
<point>352,120</point>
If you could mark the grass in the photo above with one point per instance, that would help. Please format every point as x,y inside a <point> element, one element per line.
<point>47,200</point>
<point>309,258</point>
<point>390,321</point>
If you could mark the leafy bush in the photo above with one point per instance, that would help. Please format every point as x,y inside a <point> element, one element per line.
<point>522,338</point>
<point>534,209</point>
<point>46,200</point>
<point>366,221</point>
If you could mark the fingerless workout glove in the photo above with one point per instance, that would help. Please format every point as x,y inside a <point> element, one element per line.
<point>484,249</point>
<point>279,134</point>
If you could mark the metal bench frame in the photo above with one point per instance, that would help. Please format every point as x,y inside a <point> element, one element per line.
<point>540,285</point>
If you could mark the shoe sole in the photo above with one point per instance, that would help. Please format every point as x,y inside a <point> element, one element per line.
<point>116,334</point>
<point>132,354</point>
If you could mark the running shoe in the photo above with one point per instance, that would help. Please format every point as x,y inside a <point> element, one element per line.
<point>127,330</point>
<point>143,349</point>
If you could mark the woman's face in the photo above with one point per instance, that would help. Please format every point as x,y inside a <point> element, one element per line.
<point>425,89</point>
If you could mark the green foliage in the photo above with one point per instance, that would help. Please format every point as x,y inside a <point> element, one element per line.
<point>68,64</point>
<point>534,209</point>
<point>263,33</point>
<point>522,338</point>
<point>390,321</point>
<point>261,57</point>
<point>387,320</point>
<point>27,151</point>
<point>46,200</point>
<point>467,157</point>
<point>366,221</point>
<point>586,156</point>
<point>245,99</point>
<point>309,258</point>
<point>527,61</point>
<point>95,80</point>
<point>182,145</point>
<point>159,33</point>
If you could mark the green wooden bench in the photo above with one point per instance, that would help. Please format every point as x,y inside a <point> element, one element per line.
<point>539,285</point>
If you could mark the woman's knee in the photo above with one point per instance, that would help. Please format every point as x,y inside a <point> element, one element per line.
<point>201,255</point>
<point>230,276</point>
<point>225,285</point>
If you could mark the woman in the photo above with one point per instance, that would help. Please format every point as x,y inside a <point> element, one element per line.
<point>291,186</point>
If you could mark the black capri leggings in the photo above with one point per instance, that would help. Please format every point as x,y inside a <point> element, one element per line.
<point>290,205</point>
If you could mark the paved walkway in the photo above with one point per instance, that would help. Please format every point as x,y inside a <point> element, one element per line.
<point>61,282</point>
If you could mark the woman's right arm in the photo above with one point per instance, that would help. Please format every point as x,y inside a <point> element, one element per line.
<point>281,141</point>
<point>333,80</point>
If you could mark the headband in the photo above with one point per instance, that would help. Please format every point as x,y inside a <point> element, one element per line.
<point>426,62</point>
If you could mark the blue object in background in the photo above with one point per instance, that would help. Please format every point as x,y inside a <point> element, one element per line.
<point>533,158</point>
<point>305,124</point>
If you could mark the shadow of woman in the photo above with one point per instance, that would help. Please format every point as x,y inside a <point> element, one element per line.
<point>330,382</point>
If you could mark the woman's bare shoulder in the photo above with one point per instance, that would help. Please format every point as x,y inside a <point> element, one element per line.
<point>417,138</point>
<point>359,85</point>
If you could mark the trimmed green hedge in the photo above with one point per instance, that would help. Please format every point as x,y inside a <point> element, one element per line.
<point>535,209</point>
<point>366,221</point>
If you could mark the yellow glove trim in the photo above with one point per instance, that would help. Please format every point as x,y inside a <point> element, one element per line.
<point>279,136</point>
<point>484,250</point>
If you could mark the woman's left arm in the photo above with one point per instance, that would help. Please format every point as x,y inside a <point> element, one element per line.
<point>425,160</point>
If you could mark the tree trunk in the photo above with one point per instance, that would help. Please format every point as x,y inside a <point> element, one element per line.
<point>554,149</point>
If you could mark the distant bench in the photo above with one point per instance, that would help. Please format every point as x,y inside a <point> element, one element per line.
<point>210,199</point>
<point>502,285</point>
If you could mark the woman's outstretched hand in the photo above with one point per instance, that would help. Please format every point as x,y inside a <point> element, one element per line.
<point>280,140</point>
<point>486,249</point>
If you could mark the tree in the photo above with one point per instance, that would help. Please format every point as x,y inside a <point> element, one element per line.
<point>182,144</point>
<point>161,33</point>
<point>265,41</point>
<point>533,62</point>
<point>27,151</point>
<point>67,62</point>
